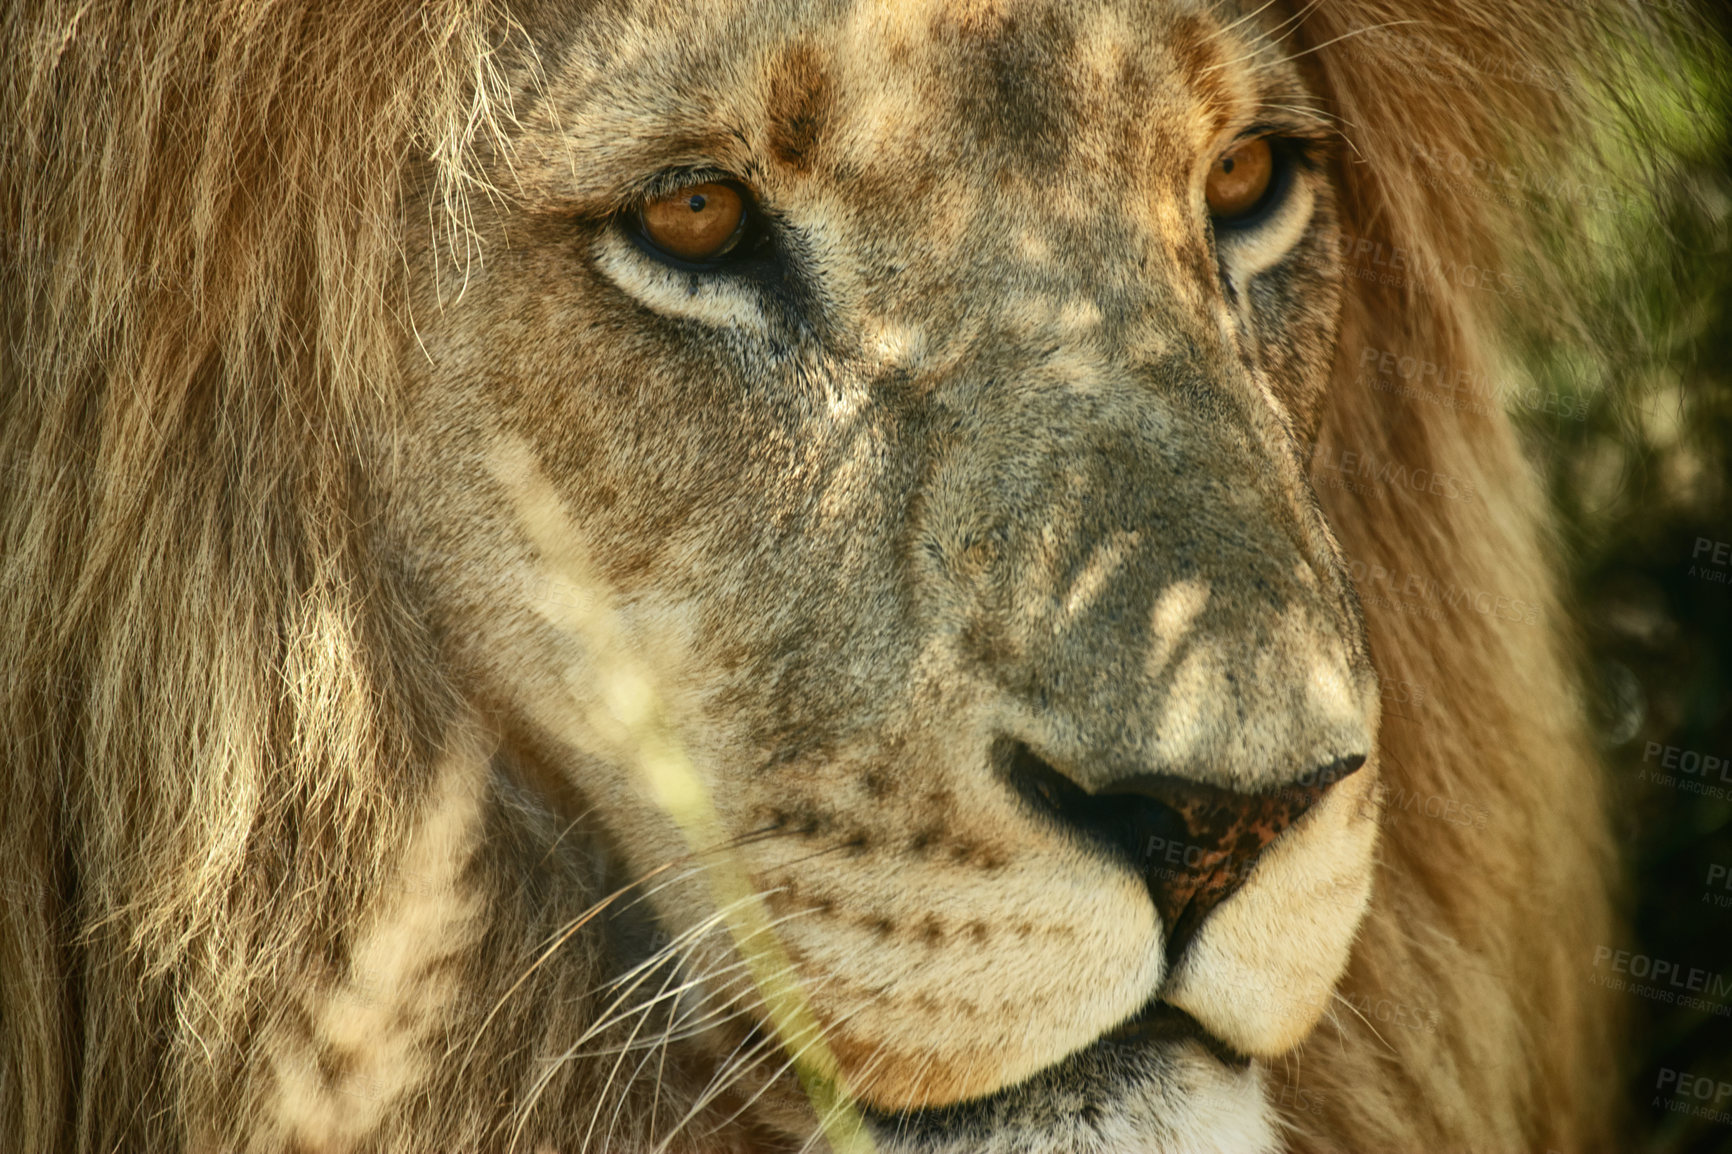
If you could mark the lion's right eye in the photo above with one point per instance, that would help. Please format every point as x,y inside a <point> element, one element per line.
<point>697,224</point>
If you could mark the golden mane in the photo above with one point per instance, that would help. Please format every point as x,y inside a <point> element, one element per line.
<point>200,267</point>
<point>196,660</point>
<point>1425,93</point>
<point>1436,271</point>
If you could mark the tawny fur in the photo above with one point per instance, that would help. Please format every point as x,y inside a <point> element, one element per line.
<point>220,719</point>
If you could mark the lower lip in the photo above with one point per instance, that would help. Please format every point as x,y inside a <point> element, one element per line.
<point>1160,1022</point>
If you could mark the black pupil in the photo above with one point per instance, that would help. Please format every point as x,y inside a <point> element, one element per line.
<point>697,202</point>
<point>1226,165</point>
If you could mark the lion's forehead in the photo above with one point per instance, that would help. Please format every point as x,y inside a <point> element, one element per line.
<point>934,115</point>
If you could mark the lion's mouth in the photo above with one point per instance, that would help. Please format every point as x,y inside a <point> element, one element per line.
<point>1159,1022</point>
<point>1122,1082</point>
<point>1159,1027</point>
<point>1054,1109</point>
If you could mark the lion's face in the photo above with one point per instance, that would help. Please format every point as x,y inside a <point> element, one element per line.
<point>959,512</point>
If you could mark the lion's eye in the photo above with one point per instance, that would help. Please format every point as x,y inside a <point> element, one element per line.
<point>1239,180</point>
<point>699,222</point>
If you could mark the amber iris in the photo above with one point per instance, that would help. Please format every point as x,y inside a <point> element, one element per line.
<point>699,222</point>
<point>1239,179</point>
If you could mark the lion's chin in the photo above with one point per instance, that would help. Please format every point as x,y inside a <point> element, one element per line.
<point>1157,1086</point>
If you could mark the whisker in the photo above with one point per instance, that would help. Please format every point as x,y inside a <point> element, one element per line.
<point>571,928</point>
<point>745,1056</point>
<point>751,837</point>
<point>607,1019</point>
<point>1253,14</point>
<point>1273,41</point>
<point>1347,36</point>
<point>620,1099</point>
<point>672,947</point>
<point>618,1012</point>
<point>1368,1024</point>
<point>790,1060</point>
<point>629,982</point>
<point>693,1026</point>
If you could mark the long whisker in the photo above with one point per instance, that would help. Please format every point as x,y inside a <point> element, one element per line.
<point>751,837</point>
<point>769,1044</point>
<point>606,1020</point>
<point>670,950</point>
<point>560,937</point>
<point>571,928</point>
<point>1273,42</point>
<point>697,1023</point>
<point>617,1012</point>
<point>620,1100</point>
<point>1251,15</point>
<point>1368,1024</point>
<point>745,1057</point>
<point>1369,28</point>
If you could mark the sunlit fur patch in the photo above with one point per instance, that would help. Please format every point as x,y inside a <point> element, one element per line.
<point>371,1032</point>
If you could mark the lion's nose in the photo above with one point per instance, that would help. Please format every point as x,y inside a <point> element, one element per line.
<point>1193,843</point>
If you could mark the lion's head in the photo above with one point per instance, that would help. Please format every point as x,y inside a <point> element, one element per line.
<point>713,576</point>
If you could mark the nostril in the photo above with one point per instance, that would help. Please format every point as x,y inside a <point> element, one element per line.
<point>1127,824</point>
<point>1194,844</point>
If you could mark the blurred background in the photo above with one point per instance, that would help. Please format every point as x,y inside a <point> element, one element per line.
<point>1638,458</point>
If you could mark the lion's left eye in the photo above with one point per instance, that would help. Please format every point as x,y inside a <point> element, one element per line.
<point>1241,181</point>
<point>697,224</point>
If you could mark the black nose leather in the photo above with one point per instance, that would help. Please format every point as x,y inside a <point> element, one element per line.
<point>1193,844</point>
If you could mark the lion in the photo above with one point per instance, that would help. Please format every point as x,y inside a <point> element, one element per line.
<point>768,574</point>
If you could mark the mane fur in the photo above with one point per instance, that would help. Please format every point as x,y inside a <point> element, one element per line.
<point>200,268</point>
<point>209,698</point>
<point>1520,1047</point>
